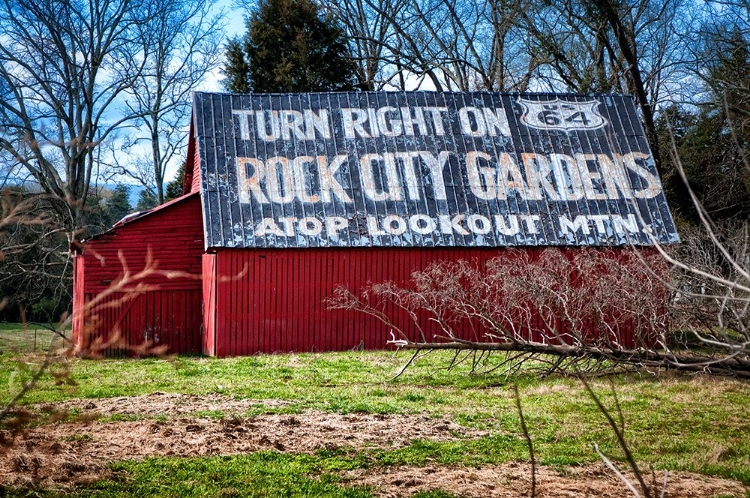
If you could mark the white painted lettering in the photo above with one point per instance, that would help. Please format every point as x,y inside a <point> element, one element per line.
<point>509,177</point>
<point>268,227</point>
<point>449,225</point>
<point>279,180</point>
<point>328,182</point>
<point>436,114</point>
<point>479,224</point>
<point>372,226</point>
<point>288,224</point>
<point>267,131</point>
<point>436,166</point>
<point>473,127</point>
<point>538,174</point>
<point>589,176</point>
<point>394,225</point>
<point>622,225</point>
<point>408,120</point>
<point>388,126</point>
<point>317,122</point>
<point>243,120</point>
<point>353,120</point>
<point>481,178</point>
<point>301,179</point>
<point>581,223</point>
<point>496,121</point>
<point>422,224</point>
<point>509,228</point>
<point>291,124</point>
<point>250,172</point>
<point>653,186</point>
<point>567,177</point>
<point>334,224</point>
<point>530,221</point>
<point>309,226</point>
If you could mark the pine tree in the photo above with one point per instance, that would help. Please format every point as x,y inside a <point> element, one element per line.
<point>290,46</point>
<point>118,204</point>
<point>174,188</point>
<point>146,200</point>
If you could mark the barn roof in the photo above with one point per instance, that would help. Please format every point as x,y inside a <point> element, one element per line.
<point>426,169</point>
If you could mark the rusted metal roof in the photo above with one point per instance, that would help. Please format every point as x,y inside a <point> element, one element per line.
<point>425,169</point>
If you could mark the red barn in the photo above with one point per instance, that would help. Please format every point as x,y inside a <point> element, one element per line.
<point>292,195</point>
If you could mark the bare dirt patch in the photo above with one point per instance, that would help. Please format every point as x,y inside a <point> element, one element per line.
<point>162,404</point>
<point>513,480</point>
<point>71,453</point>
<point>67,454</point>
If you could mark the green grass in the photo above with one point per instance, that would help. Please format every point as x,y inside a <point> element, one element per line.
<point>692,423</point>
<point>33,337</point>
<point>261,474</point>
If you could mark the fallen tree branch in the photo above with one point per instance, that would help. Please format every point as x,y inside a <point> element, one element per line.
<point>728,365</point>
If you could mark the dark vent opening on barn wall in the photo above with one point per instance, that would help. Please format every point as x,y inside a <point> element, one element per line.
<point>291,195</point>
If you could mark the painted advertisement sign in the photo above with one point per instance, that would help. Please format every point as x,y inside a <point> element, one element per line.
<point>422,169</point>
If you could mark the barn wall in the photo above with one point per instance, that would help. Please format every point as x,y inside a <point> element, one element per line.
<point>161,304</point>
<point>274,302</point>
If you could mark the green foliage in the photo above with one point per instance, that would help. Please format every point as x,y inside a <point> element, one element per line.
<point>34,264</point>
<point>146,200</point>
<point>174,188</point>
<point>95,218</point>
<point>118,204</point>
<point>713,143</point>
<point>290,46</point>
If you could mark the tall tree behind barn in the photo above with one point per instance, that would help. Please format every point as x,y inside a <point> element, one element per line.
<point>301,193</point>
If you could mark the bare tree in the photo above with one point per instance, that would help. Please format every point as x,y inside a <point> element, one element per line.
<point>634,47</point>
<point>183,46</point>
<point>455,45</point>
<point>369,32</point>
<point>63,67</point>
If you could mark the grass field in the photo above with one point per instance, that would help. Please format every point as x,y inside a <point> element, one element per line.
<point>33,337</point>
<point>695,423</point>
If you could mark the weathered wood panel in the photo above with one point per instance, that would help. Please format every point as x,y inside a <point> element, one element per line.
<point>426,169</point>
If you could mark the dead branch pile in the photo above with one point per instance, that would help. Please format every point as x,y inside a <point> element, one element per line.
<point>589,310</point>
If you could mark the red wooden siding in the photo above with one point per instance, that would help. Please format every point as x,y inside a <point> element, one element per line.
<point>209,304</point>
<point>274,302</point>
<point>192,181</point>
<point>164,306</point>
<point>78,295</point>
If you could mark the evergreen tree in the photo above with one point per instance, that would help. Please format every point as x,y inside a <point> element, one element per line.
<point>118,204</point>
<point>174,188</point>
<point>713,144</point>
<point>95,217</point>
<point>290,46</point>
<point>146,200</point>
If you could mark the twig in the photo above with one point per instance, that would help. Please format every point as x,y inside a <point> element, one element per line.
<point>620,434</point>
<point>614,469</point>
<point>528,440</point>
